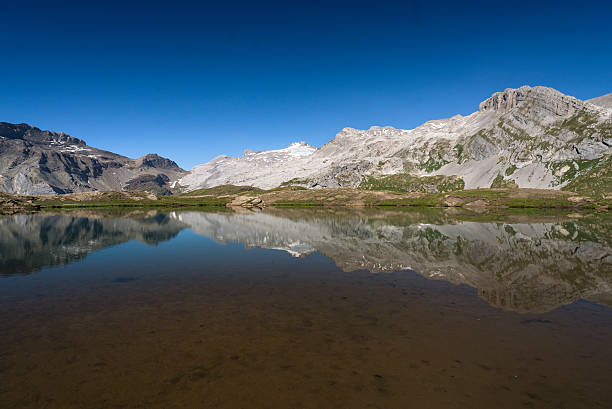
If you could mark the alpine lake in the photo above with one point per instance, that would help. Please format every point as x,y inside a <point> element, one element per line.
<point>306,308</point>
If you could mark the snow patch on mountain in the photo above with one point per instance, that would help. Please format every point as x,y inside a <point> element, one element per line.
<point>266,165</point>
<point>296,149</point>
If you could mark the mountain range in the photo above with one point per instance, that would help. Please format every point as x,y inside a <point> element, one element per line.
<point>532,137</point>
<point>529,137</point>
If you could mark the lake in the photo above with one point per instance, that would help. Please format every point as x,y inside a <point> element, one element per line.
<point>305,308</point>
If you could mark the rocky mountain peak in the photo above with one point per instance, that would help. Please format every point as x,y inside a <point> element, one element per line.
<point>300,143</point>
<point>294,149</point>
<point>505,100</point>
<point>153,160</point>
<point>33,134</point>
<point>299,149</point>
<point>537,99</point>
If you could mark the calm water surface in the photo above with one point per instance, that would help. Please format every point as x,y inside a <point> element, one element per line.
<point>305,309</point>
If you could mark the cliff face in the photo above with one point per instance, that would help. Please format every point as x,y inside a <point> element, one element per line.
<point>531,136</point>
<point>33,161</point>
<point>544,102</point>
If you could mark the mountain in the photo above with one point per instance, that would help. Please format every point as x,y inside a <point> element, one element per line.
<point>527,137</point>
<point>33,161</point>
<point>217,171</point>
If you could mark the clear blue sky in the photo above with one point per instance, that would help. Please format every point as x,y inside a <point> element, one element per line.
<point>194,81</point>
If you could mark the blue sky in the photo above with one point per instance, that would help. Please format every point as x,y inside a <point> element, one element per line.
<point>192,81</point>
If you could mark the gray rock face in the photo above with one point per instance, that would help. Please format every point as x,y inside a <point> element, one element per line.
<point>33,161</point>
<point>153,160</point>
<point>546,102</point>
<point>526,135</point>
<point>603,101</point>
<point>151,183</point>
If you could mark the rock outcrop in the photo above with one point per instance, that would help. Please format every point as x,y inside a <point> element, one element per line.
<point>545,102</point>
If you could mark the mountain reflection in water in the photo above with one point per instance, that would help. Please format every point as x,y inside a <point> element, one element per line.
<point>518,262</point>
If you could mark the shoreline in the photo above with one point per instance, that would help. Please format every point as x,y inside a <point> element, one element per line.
<point>248,197</point>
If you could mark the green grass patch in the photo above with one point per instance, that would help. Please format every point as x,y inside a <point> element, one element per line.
<point>584,124</point>
<point>575,168</point>
<point>500,182</point>
<point>425,201</point>
<point>541,203</point>
<point>223,190</point>
<point>404,182</point>
<point>459,149</point>
<point>296,181</point>
<point>432,164</point>
<point>297,203</point>
<point>594,180</point>
<point>165,201</point>
<point>482,193</point>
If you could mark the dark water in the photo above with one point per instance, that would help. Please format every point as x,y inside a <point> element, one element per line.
<point>305,309</point>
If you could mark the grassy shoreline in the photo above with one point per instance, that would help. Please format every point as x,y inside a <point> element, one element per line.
<point>243,196</point>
